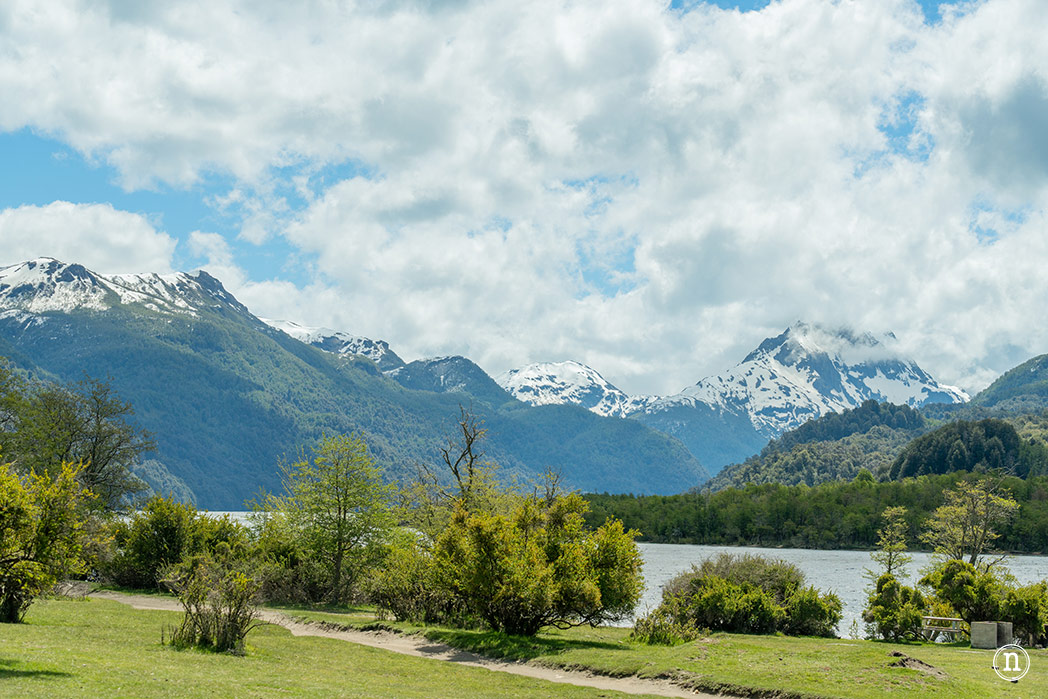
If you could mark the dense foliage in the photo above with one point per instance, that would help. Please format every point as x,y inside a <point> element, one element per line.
<point>833,447</point>
<point>508,558</point>
<point>812,463</point>
<point>41,522</point>
<point>44,425</point>
<point>860,420</point>
<point>161,535</point>
<point>990,444</point>
<point>740,594</point>
<point>830,515</point>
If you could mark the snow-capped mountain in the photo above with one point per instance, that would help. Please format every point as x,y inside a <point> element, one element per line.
<point>804,373</point>
<point>549,383</point>
<point>338,342</point>
<point>47,285</point>
<point>809,371</point>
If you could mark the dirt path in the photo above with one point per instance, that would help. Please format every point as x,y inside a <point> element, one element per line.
<point>407,644</point>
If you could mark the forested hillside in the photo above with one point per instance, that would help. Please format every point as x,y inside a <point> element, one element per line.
<point>828,516</point>
<point>834,447</point>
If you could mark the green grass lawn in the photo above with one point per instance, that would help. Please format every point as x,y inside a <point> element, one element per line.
<point>751,665</point>
<point>97,648</point>
<point>102,648</point>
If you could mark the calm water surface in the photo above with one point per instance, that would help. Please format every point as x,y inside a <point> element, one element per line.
<point>829,571</point>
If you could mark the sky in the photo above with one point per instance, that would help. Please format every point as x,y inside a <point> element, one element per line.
<point>650,188</point>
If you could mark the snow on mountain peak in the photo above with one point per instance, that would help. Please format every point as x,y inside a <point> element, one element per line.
<point>341,343</point>
<point>565,382</point>
<point>47,285</point>
<point>810,370</point>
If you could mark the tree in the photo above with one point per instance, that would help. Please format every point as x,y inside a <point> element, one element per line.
<point>966,524</point>
<point>338,510</point>
<point>893,611</point>
<point>40,534</point>
<point>891,544</point>
<point>540,566</point>
<point>492,552</point>
<point>51,424</point>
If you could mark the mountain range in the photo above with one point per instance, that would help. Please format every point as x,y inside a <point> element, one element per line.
<point>804,373</point>
<point>228,394</point>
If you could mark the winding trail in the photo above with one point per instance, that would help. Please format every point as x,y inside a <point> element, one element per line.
<point>409,644</point>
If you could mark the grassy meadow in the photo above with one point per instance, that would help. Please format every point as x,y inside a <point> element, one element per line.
<point>100,648</point>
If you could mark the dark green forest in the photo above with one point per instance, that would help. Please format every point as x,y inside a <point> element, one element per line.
<point>837,515</point>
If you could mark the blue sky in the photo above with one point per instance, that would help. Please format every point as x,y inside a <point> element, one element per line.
<point>651,190</point>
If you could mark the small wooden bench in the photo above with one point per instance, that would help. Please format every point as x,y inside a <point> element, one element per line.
<point>932,626</point>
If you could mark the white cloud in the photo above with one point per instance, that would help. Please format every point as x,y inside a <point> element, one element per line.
<point>615,182</point>
<point>95,235</point>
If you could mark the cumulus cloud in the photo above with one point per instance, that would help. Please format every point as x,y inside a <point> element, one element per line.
<point>96,235</point>
<point>646,190</point>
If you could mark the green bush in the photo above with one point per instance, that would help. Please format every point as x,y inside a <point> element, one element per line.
<point>894,612</point>
<point>406,586</point>
<point>660,628</point>
<point>158,536</point>
<point>161,535</point>
<point>976,595</point>
<point>810,614</point>
<point>538,566</point>
<point>1027,609</point>
<point>742,594</point>
<point>777,577</point>
<point>219,599</point>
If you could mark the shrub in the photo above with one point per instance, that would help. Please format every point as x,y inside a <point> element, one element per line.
<point>538,566</point>
<point>161,535</point>
<point>158,536</point>
<point>777,577</point>
<point>976,595</point>
<point>219,600</point>
<point>894,611</point>
<point>406,586</point>
<point>742,594</point>
<point>40,535</point>
<point>1027,609</point>
<point>810,614</point>
<point>661,629</point>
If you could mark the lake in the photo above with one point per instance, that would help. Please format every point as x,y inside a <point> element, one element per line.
<point>829,571</point>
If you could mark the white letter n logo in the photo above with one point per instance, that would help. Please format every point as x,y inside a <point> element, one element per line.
<point>1008,658</point>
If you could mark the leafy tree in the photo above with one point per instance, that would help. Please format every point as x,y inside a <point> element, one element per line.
<point>50,424</point>
<point>967,523</point>
<point>974,594</point>
<point>894,612</point>
<point>337,509</point>
<point>515,561</point>
<point>891,543</point>
<point>40,534</point>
